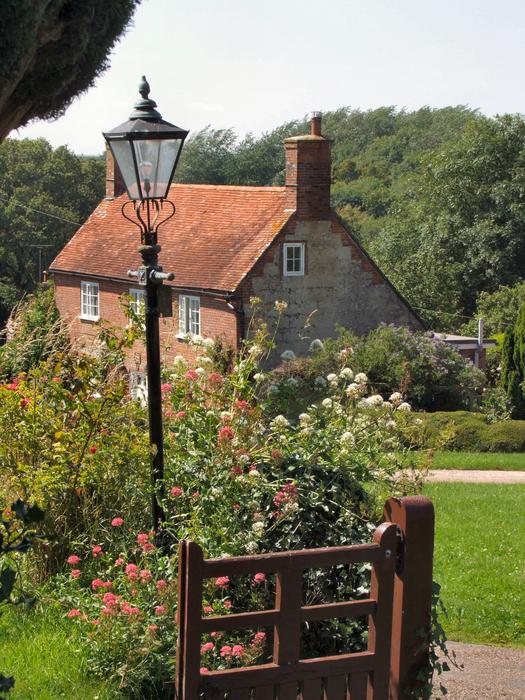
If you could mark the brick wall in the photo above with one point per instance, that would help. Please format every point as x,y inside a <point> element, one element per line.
<point>217,319</point>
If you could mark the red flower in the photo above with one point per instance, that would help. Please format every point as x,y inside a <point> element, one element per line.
<point>242,404</point>
<point>75,573</point>
<point>207,609</point>
<point>73,560</point>
<point>236,470</point>
<point>12,387</point>
<point>117,522</point>
<point>222,581</point>
<point>191,374</point>
<point>176,491</point>
<point>24,402</point>
<point>225,434</point>
<point>92,449</point>
<point>215,378</point>
<point>259,578</point>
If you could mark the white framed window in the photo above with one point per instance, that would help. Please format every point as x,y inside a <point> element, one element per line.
<point>189,315</point>
<point>137,303</point>
<point>89,301</point>
<point>293,259</point>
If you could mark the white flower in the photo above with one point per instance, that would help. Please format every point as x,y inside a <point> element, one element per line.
<point>320,383</point>
<point>305,419</point>
<point>258,528</point>
<point>353,390</point>
<point>331,377</point>
<point>252,547</point>
<point>375,400</point>
<point>273,389</point>
<point>327,403</point>
<point>287,355</point>
<point>404,407</point>
<point>225,415</point>
<point>208,342</point>
<point>200,370</point>
<point>346,373</point>
<point>179,360</point>
<point>361,378</point>
<point>345,353</point>
<point>418,421</point>
<point>390,425</point>
<point>280,421</point>
<point>196,339</point>
<point>258,377</point>
<point>255,350</point>
<point>281,306</point>
<point>396,398</point>
<point>348,439</point>
<point>254,473</point>
<point>316,345</point>
<point>204,361</point>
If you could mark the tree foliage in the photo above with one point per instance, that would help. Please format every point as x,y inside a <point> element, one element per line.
<point>53,50</point>
<point>513,364</point>
<point>44,210</point>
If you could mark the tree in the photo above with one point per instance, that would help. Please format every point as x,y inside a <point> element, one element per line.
<point>53,50</point>
<point>513,364</point>
<point>44,210</point>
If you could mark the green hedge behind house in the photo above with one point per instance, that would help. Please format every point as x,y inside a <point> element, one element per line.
<point>463,431</point>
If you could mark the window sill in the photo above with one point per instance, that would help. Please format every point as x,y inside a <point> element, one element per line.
<point>90,319</point>
<point>293,274</point>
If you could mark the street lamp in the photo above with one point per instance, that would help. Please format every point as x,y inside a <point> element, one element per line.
<point>146,150</point>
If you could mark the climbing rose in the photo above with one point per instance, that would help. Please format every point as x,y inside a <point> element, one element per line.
<point>117,522</point>
<point>73,559</point>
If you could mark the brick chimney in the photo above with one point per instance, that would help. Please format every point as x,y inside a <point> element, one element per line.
<point>308,173</point>
<point>114,182</point>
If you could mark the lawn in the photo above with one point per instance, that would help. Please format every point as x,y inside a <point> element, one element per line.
<point>507,461</point>
<point>480,560</point>
<point>37,650</point>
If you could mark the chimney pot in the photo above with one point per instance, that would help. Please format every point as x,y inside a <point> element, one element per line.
<point>315,124</point>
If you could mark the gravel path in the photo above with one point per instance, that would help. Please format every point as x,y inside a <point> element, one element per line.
<point>475,476</point>
<point>489,673</point>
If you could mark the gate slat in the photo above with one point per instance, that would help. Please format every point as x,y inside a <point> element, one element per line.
<point>287,691</point>
<point>264,692</point>
<point>241,694</point>
<point>312,689</point>
<point>335,688</point>
<point>358,683</point>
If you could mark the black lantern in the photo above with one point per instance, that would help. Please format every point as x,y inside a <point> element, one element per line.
<point>146,149</point>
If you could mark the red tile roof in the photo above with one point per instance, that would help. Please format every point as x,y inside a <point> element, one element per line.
<point>212,242</point>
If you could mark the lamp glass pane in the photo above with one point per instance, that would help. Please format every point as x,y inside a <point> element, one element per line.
<point>123,154</point>
<point>156,159</point>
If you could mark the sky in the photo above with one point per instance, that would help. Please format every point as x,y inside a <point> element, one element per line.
<point>254,65</point>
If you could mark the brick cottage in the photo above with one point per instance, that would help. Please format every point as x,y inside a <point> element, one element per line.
<point>226,244</point>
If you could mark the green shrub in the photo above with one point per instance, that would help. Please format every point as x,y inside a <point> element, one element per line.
<point>505,436</point>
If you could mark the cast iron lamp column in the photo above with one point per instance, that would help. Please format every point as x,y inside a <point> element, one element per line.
<point>146,150</point>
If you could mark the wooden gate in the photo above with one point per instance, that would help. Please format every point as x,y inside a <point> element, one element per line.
<point>397,610</point>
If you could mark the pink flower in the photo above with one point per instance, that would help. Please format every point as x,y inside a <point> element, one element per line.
<point>131,569</point>
<point>98,583</point>
<point>108,610</point>
<point>225,434</point>
<point>119,561</point>
<point>222,581</point>
<point>242,405</point>
<point>259,578</point>
<point>24,402</point>
<point>259,638</point>
<point>180,414</point>
<point>152,628</point>
<point>75,573</point>
<point>176,491</point>
<point>237,470</point>
<point>215,378</point>
<point>92,449</point>
<point>226,651</point>
<point>117,522</point>
<point>95,622</point>
<point>191,374</point>
<point>195,495</point>
<point>148,547</point>
<point>161,610</point>
<point>57,380</point>
<point>97,551</point>
<point>227,604</point>
<point>207,647</point>
<point>145,575</point>
<point>252,468</point>
<point>73,560</point>
<point>142,538</point>
<point>74,612</point>
<point>204,669</point>
<point>12,387</point>
<point>161,583</point>
<point>165,388</point>
<point>208,609</point>
<point>238,650</point>
<point>110,599</point>
<point>236,506</point>
<point>128,609</point>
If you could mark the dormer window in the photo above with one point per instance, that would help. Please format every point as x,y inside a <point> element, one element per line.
<point>293,259</point>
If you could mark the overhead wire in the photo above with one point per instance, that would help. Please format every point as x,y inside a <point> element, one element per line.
<point>39,211</point>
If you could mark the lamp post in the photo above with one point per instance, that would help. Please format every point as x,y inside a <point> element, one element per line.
<point>146,150</point>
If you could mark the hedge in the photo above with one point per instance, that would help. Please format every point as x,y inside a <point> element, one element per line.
<point>464,431</point>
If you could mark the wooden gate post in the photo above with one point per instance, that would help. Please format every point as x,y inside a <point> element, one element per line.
<point>412,591</point>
